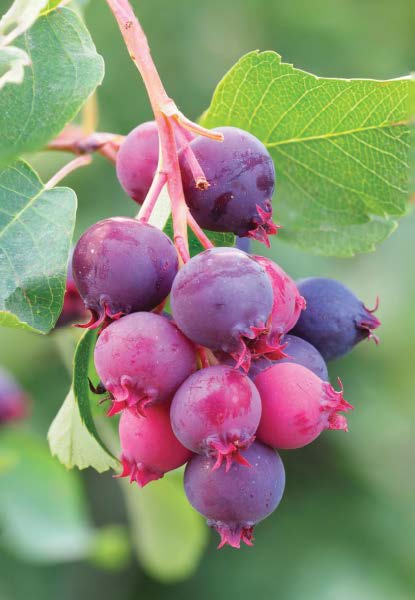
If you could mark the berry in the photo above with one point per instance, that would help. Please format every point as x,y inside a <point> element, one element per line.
<point>13,400</point>
<point>73,308</point>
<point>298,351</point>
<point>137,160</point>
<point>241,177</point>
<point>335,319</point>
<point>148,445</point>
<point>122,266</point>
<point>286,310</point>
<point>216,412</point>
<point>297,406</point>
<point>142,359</point>
<point>220,299</point>
<point>234,502</point>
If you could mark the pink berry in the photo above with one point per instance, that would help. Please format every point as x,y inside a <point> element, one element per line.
<point>297,406</point>
<point>14,402</point>
<point>142,359</point>
<point>148,445</point>
<point>287,306</point>
<point>216,412</point>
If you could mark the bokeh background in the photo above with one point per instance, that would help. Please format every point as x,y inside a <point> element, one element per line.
<point>345,529</point>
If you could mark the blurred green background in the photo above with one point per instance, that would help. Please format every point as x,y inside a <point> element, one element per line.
<point>345,529</point>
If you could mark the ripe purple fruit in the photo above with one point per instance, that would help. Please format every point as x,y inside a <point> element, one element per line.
<point>142,359</point>
<point>221,299</point>
<point>286,309</point>
<point>234,502</point>
<point>241,177</point>
<point>216,412</point>
<point>13,400</point>
<point>137,160</point>
<point>73,306</point>
<point>335,319</point>
<point>298,351</point>
<point>148,445</point>
<point>121,265</point>
<point>297,406</point>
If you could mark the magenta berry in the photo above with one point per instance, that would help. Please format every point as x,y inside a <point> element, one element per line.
<point>286,309</point>
<point>142,359</point>
<point>298,351</point>
<point>216,412</point>
<point>297,406</point>
<point>234,502</point>
<point>148,445</point>
<point>335,319</point>
<point>241,177</point>
<point>137,160</point>
<point>222,298</point>
<point>121,265</point>
<point>14,402</point>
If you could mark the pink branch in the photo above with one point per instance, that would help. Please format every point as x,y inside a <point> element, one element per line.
<point>198,231</point>
<point>152,196</point>
<point>80,161</point>
<point>198,175</point>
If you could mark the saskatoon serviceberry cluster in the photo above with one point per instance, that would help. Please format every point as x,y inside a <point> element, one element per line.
<point>221,383</point>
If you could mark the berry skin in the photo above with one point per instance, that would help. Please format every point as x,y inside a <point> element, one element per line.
<point>13,400</point>
<point>335,319</point>
<point>287,307</point>
<point>122,266</point>
<point>216,412</point>
<point>148,445</point>
<point>297,406</point>
<point>241,177</point>
<point>298,351</point>
<point>137,160</point>
<point>234,502</point>
<point>142,359</point>
<point>221,299</point>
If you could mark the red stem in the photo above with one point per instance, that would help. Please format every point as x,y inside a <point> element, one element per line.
<point>153,193</point>
<point>80,161</point>
<point>198,175</point>
<point>198,231</point>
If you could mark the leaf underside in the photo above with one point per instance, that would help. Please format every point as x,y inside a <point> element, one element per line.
<point>36,228</point>
<point>340,149</point>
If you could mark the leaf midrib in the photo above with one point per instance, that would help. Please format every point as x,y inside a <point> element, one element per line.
<point>334,134</point>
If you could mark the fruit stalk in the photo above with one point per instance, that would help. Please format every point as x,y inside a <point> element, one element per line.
<point>80,161</point>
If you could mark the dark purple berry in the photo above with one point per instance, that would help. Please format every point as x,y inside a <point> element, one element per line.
<point>241,177</point>
<point>335,320</point>
<point>14,402</point>
<point>234,502</point>
<point>121,265</point>
<point>216,412</point>
<point>221,299</point>
<point>137,160</point>
<point>73,309</point>
<point>142,359</point>
<point>298,351</point>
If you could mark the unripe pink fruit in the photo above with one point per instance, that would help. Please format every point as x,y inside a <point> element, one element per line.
<point>142,359</point>
<point>297,406</point>
<point>286,310</point>
<point>148,445</point>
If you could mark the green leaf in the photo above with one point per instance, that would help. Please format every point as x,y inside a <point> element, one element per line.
<point>340,149</point>
<point>72,443</point>
<point>53,90</point>
<point>42,509</point>
<point>20,16</point>
<point>36,228</point>
<point>50,6</point>
<point>168,535</point>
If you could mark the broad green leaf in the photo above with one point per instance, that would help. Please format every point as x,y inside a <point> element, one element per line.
<point>340,149</point>
<point>50,6</point>
<point>168,535</point>
<point>83,361</point>
<point>161,218</point>
<point>12,63</point>
<point>36,227</point>
<point>43,515</point>
<point>72,443</point>
<point>53,90</point>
